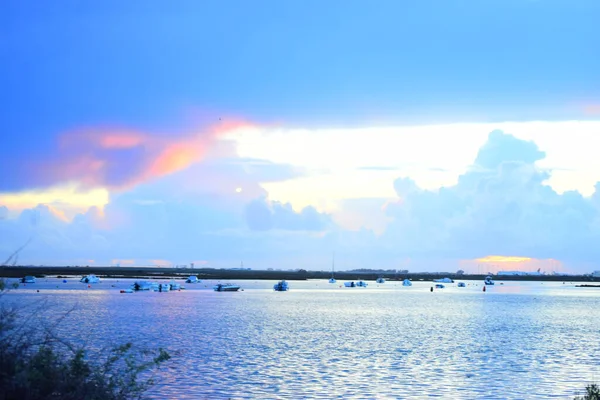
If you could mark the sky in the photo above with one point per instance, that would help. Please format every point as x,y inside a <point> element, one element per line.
<point>421,135</point>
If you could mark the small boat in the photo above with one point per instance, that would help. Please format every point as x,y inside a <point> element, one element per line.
<point>226,287</point>
<point>161,287</point>
<point>28,279</point>
<point>444,280</point>
<point>381,279</point>
<point>141,285</point>
<point>406,282</point>
<point>281,286</point>
<point>461,284</point>
<point>361,283</point>
<point>174,285</point>
<point>91,278</point>
<point>126,290</point>
<point>332,279</point>
<point>349,284</point>
<point>488,280</point>
<point>439,286</point>
<point>193,279</point>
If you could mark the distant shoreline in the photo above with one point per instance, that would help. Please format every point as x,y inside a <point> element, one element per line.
<point>236,274</point>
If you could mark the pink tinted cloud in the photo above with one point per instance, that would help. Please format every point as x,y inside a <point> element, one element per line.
<point>118,158</point>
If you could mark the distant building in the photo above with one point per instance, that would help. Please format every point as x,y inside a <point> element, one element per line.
<point>596,274</point>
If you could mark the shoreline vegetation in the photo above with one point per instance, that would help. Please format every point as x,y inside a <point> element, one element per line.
<point>240,274</point>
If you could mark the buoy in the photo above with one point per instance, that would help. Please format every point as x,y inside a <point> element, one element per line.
<point>64,281</point>
<point>89,286</point>
<point>431,290</point>
<point>38,290</point>
<point>484,288</point>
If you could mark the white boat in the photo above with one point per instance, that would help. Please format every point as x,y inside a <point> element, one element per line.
<point>439,286</point>
<point>91,278</point>
<point>361,283</point>
<point>141,285</point>
<point>488,280</point>
<point>444,280</point>
<point>461,284</point>
<point>381,279</point>
<point>349,284</point>
<point>332,279</point>
<point>174,285</point>
<point>28,279</point>
<point>226,287</point>
<point>406,282</point>
<point>161,287</point>
<point>193,279</point>
<point>281,286</point>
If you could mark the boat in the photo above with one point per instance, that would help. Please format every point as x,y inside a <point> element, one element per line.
<point>439,286</point>
<point>281,286</point>
<point>361,283</point>
<point>28,279</point>
<point>332,279</point>
<point>488,280</point>
<point>226,287</point>
<point>406,282</point>
<point>461,284</point>
<point>381,279</point>
<point>174,285</point>
<point>141,285</point>
<point>91,278</point>
<point>161,287</point>
<point>444,280</point>
<point>127,290</point>
<point>349,284</point>
<point>193,279</point>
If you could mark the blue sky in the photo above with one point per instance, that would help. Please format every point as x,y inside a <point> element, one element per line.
<point>318,104</point>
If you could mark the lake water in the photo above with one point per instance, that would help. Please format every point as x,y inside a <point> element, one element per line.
<point>520,340</point>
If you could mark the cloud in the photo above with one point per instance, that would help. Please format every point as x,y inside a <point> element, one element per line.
<point>262,215</point>
<point>501,205</point>
<point>113,158</point>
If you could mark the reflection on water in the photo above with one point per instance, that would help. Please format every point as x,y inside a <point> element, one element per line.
<point>518,340</point>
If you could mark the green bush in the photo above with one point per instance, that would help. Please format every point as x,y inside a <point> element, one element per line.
<point>35,364</point>
<point>592,392</point>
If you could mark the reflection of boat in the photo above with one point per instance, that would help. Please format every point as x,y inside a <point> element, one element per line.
<point>488,280</point>
<point>439,286</point>
<point>380,280</point>
<point>91,278</point>
<point>193,279</point>
<point>281,286</point>
<point>444,280</point>
<point>332,279</point>
<point>28,279</point>
<point>461,284</point>
<point>226,287</point>
<point>406,282</point>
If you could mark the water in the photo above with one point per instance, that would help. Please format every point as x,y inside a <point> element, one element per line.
<point>319,340</point>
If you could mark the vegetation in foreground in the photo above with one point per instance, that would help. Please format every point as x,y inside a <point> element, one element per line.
<point>592,392</point>
<point>35,364</point>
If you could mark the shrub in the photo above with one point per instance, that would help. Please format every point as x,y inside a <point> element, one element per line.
<point>35,364</point>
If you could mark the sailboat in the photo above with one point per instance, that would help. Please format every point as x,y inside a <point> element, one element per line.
<point>332,279</point>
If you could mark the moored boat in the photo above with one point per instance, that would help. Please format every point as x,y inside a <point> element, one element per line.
<point>226,287</point>
<point>281,286</point>
<point>406,282</point>
<point>193,279</point>
<point>28,279</point>
<point>488,280</point>
<point>91,278</point>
